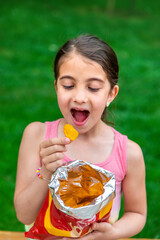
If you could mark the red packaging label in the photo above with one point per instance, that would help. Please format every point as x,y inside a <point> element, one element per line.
<point>52,223</point>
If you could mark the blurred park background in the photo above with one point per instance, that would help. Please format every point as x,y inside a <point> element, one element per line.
<point>30,34</point>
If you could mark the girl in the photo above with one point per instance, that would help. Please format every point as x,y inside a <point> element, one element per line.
<point>86,75</point>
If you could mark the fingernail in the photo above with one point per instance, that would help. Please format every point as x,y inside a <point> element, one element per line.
<point>67,140</point>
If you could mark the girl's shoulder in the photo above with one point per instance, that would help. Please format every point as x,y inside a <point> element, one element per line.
<point>134,156</point>
<point>40,131</point>
<point>35,130</point>
<point>35,127</point>
<point>133,149</point>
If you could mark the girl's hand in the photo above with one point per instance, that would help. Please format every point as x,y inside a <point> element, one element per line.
<point>51,153</point>
<point>101,231</point>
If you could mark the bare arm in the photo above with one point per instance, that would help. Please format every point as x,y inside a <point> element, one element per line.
<point>30,190</point>
<point>134,191</point>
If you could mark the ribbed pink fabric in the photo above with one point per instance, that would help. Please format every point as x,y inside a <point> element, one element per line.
<point>116,162</point>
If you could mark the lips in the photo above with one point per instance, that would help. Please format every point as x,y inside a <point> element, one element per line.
<point>79,115</point>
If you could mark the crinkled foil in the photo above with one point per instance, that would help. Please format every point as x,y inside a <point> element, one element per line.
<point>96,205</point>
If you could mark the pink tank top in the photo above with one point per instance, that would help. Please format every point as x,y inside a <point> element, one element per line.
<point>116,162</point>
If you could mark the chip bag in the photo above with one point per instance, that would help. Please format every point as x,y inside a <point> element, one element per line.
<point>80,193</point>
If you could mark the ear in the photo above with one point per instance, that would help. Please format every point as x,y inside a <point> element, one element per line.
<point>55,85</point>
<point>112,94</point>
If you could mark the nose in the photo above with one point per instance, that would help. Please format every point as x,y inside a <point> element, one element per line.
<point>80,96</point>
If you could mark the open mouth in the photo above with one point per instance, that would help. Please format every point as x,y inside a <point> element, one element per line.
<point>79,115</point>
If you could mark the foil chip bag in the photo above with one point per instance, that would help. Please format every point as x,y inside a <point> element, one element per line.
<point>80,193</point>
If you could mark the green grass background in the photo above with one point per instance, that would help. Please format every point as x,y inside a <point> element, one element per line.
<point>31,32</point>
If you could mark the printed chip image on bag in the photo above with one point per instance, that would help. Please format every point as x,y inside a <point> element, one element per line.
<point>80,193</point>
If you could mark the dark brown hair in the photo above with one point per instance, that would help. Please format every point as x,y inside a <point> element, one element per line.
<point>94,49</point>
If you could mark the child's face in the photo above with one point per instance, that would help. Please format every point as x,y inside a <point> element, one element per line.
<point>83,91</point>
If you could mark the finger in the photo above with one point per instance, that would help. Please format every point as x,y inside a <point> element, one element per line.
<point>52,149</point>
<point>91,236</point>
<point>101,227</point>
<point>54,165</point>
<point>53,157</point>
<point>67,238</point>
<point>55,141</point>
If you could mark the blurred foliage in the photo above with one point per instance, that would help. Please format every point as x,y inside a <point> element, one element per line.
<point>31,33</point>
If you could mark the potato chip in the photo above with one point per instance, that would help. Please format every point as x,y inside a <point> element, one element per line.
<point>84,184</point>
<point>70,132</point>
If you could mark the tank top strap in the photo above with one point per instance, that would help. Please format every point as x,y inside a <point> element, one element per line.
<point>51,129</point>
<point>124,158</point>
<point>121,149</point>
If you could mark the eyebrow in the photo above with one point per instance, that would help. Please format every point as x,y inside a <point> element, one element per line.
<point>95,79</point>
<point>66,76</point>
<point>88,80</point>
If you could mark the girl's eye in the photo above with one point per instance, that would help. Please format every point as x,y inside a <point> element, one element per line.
<point>68,86</point>
<point>93,89</point>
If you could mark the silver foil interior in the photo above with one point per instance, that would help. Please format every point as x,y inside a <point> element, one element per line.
<point>96,205</point>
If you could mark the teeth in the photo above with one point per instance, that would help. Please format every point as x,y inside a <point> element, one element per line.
<point>76,109</point>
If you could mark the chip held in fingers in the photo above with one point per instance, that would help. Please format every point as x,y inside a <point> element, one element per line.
<point>70,132</point>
